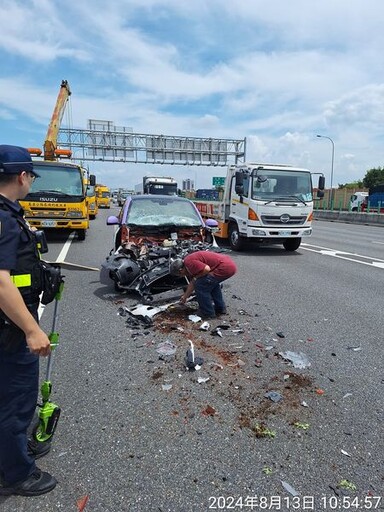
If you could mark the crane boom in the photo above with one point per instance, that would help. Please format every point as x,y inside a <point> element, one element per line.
<point>50,143</point>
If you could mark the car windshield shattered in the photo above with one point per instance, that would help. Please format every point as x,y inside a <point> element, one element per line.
<point>162,212</point>
<point>151,232</point>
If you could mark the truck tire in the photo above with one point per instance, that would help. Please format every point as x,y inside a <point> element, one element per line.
<point>235,240</point>
<point>81,234</point>
<point>291,244</point>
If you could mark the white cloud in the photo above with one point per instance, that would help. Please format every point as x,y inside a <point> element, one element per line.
<point>273,73</point>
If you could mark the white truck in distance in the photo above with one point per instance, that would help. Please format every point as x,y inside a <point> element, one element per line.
<point>264,203</point>
<point>160,185</point>
<point>356,199</point>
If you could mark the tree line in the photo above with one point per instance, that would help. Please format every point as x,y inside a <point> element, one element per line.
<point>372,178</point>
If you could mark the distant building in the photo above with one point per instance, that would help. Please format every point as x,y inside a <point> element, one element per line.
<point>188,184</point>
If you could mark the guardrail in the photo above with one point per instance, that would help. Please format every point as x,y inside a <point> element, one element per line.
<point>376,219</point>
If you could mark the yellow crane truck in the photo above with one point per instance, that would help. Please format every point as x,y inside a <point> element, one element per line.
<point>57,200</point>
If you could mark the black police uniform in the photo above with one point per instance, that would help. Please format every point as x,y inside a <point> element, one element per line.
<point>19,368</point>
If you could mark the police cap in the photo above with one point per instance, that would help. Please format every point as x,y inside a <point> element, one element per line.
<point>15,159</point>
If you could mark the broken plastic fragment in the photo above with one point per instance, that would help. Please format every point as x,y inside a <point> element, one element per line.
<point>166,348</point>
<point>166,387</point>
<point>217,332</point>
<point>82,502</point>
<point>274,396</point>
<point>280,334</point>
<point>345,453</point>
<point>290,489</point>
<point>204,326</point>
<point>298,359</point>
<point>194,318</point>
<point>202,380</point>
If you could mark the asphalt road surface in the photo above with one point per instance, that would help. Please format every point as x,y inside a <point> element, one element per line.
<point>141,433</point>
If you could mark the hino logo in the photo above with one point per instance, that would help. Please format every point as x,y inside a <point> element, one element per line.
<point>285,218</point>
<point>48,199</point>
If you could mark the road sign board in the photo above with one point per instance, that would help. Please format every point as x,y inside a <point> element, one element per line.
<point>218,181</point>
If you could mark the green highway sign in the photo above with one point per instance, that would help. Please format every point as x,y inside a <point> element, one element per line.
<point>218,181</point>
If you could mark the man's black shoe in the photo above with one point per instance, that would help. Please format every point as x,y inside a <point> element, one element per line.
<point>39,482</point>
<point>38,449</point>
<point>203,316</point>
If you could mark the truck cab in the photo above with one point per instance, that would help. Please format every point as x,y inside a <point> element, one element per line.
<point>103,196</point>
<point>356,200</point>
<point>264,203</point>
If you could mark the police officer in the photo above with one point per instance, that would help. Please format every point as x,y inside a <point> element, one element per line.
<point>21,339</point>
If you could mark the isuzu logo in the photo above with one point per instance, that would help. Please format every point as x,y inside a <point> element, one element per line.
<point>48,199</point>
<point>285,218</point>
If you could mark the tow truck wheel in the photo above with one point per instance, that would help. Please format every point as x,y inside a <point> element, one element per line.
<point>81,234</point>
<point>235,240</point>
<point>291,244</point>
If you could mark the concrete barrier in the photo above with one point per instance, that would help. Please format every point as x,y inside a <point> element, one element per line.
<point>375,219</point>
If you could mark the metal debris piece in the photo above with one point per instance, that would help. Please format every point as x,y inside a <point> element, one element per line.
<point>280,334</point>
<point>217,332</point>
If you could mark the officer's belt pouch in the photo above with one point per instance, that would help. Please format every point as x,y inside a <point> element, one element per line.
<point>11,336</point>
<point>51,281</point>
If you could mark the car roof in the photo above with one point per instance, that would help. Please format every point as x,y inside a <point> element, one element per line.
<point>141,197</point>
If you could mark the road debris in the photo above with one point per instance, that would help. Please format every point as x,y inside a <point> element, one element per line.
<point>194,318</point>
<point>192,362</point>
<point>274,396</point>
<point>166,349</point>
<point>345,484</point>
<point>298,359</point>
<point>289,488</point>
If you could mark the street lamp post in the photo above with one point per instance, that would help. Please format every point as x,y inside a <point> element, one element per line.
<point>333,159</point>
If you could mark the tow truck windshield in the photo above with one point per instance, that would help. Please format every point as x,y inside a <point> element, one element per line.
<point>281,185</point>
<point>56,179</point>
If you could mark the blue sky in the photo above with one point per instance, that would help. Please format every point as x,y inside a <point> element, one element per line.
<point>277,72</point>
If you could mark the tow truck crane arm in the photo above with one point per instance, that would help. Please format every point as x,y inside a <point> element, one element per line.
<point>50,143</point>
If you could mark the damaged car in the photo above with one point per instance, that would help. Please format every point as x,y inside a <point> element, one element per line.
<point>152,230</point>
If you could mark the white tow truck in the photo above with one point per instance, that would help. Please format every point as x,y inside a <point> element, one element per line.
<point>265,203</point>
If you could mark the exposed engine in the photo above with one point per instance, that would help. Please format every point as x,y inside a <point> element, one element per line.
<point>143,266</point>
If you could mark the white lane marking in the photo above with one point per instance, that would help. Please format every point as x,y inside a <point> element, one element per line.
<point>342,255</point>
<point>61,257</point>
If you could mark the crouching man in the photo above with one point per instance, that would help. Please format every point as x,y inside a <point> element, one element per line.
<point>205,270</point>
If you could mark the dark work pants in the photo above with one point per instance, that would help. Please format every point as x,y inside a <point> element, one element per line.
<point>19,383</point>
<point>209,295</point>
